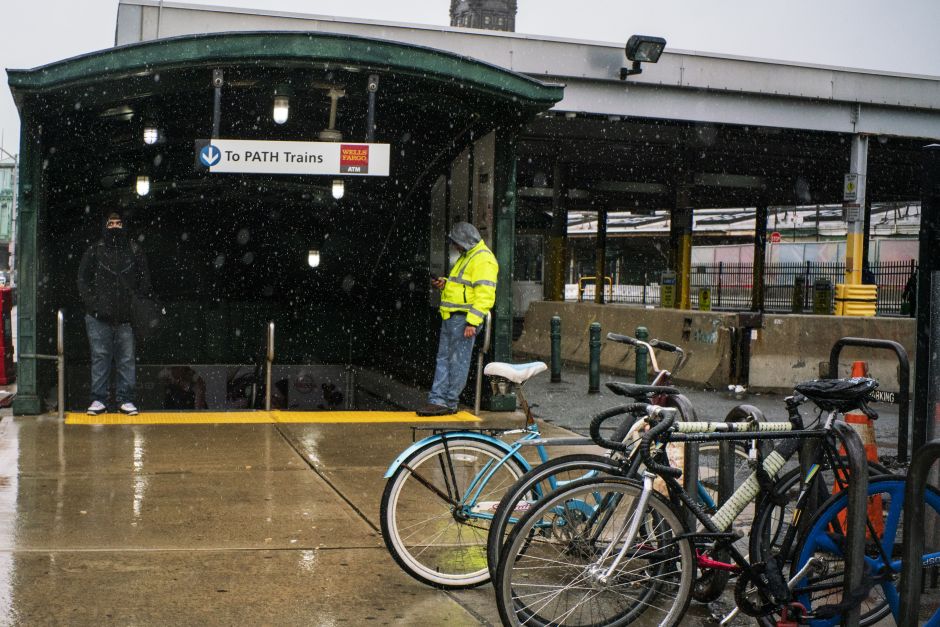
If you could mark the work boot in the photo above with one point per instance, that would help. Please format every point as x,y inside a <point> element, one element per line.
<point>435,410</point>
<point>129,409</point>
<point>96,408</point>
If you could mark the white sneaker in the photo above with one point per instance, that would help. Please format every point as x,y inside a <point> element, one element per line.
<point>96,408</point>
<point>129,408</point>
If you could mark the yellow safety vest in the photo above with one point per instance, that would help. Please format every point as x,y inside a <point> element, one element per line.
<point>471,285</point>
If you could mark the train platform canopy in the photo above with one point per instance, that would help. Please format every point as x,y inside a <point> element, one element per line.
<point>228,252</point>
<point>728,131</point>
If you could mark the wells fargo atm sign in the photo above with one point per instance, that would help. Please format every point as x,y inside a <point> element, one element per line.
<point>354,158</point>
<point>275,157</point>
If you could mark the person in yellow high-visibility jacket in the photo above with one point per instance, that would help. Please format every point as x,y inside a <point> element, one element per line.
<point>467,295</point>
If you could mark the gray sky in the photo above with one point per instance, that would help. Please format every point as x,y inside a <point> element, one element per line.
<point>896,36</point>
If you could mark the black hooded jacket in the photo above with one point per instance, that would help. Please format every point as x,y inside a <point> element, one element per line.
<point>111,271</point>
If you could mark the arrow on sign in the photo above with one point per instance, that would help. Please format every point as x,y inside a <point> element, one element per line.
<point>210,155</point>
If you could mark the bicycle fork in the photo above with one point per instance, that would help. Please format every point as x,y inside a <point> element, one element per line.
<point>627,533</point>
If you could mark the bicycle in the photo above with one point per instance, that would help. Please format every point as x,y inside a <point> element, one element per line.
<point>614,551</point>
<point>442,491</point>
<point>544,478</point>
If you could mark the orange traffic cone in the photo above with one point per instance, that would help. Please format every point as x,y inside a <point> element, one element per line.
<point>866,431</point>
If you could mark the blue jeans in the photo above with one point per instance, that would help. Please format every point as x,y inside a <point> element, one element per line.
<point>111,343</point>
<point>453,362</point>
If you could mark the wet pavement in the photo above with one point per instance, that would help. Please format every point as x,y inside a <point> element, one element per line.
<point>271,524</point>
<point>207,524</point>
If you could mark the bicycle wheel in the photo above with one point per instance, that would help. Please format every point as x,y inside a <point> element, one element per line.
<point>535,485</point>
<point>553,569</point>
<point>825,539</point>
<point>436,510</point>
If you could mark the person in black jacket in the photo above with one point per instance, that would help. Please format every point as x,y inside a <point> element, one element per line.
<point>111,272</point>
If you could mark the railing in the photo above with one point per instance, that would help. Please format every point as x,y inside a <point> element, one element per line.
<point>269,366</point>
<point>608,283</point>
<point>59,358</point>
<point>730,285</point>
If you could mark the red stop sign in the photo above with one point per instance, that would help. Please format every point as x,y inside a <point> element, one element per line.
<point>775,237</point>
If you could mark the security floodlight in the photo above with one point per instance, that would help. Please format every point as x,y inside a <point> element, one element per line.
<point>281,111</point>
<point>339,188</point>
<point>143,185</point>
<point>151,135</point>
<point>313,258</point>
<point>642,49</point>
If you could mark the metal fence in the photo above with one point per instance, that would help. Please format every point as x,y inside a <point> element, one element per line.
<point>730,285</point>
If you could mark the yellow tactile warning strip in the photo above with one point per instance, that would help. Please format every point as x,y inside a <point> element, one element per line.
<point>260,417</point>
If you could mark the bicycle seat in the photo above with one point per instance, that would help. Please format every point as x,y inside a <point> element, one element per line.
<point>838,394</point>
<point>639,392</point>
<point>517,373</point>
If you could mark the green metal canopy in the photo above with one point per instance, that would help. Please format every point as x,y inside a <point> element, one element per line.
<point>81,148</point>
<point>283,49</point>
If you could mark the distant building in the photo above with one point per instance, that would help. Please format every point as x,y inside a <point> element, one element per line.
<point>485,14</point>
<point>7,213</point>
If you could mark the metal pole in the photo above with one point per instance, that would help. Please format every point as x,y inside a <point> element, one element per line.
<point>855,211</point>
<point>373,87</point>
<point>856,518</point>
<point>594,366</point>
<point>641,376</point>
<point>600,257</point>
<point>912,550</point>
<point>60,360</point>
<point>269,358</point>
<point>487,325</point>
<point>556,349</point>
<point>217,80</point>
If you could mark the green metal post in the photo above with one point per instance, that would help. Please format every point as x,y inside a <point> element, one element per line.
<point>27,400</point>
<point>504,198</point>
<point>594,367</point>
<point>556,349</point>
<point>642,377</point>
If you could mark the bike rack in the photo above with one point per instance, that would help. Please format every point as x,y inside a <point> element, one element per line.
<point>912,549</point>
<point>486,348</point>
<point>59,358</point>
<point>919,435</point>
<point>856,516</point>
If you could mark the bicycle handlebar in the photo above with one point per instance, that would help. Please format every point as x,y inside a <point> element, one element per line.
<point>595,429</point>
<point>647,441</point>
<point>664,345</point>
<point>623,339</point>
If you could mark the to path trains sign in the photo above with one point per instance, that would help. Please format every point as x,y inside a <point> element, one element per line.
<point>275,157</point>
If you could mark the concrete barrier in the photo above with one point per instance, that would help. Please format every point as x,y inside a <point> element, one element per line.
<point>703,335</point>
<point>789,349</point>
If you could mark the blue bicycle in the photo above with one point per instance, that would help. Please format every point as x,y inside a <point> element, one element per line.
<point>442,492</point>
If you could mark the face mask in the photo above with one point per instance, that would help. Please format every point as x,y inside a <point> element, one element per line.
<point>453,256</point>
<point>113,237</point>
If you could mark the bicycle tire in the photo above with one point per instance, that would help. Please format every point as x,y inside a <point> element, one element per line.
<point>531,487</point>
<point>822,539</point>
<point>563,534</point>
<point>435,541</point>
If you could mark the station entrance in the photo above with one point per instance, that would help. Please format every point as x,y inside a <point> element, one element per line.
<point>344,277</point>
